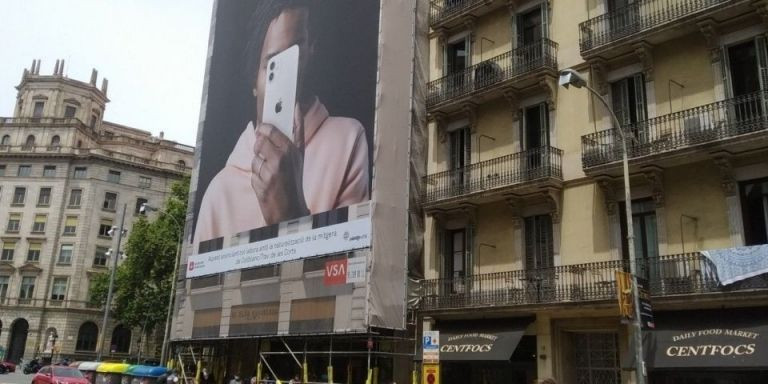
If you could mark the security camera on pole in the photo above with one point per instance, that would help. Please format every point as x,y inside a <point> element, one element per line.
<point>121,231</point>
<point>570,77</point>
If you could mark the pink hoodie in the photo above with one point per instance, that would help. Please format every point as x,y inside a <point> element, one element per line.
<point>335,176</point>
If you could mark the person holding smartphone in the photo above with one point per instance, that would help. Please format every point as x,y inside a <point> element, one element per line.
<point>269,176</point>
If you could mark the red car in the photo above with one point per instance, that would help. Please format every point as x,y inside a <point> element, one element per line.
<point>59,375</point>
<point>7,366</point>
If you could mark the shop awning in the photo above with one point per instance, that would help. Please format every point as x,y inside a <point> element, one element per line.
<point>482,344</point>
<point>724,338</point>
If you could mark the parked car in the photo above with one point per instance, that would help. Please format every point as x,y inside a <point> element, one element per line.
<point>59,375</point>
<point>7,366</point>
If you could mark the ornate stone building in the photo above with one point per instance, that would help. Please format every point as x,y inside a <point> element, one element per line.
<point>65,174</point>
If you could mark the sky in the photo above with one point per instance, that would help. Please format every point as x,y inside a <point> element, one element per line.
<point>152,51</point>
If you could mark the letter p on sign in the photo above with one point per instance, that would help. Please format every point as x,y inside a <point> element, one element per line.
<point>335,272</point>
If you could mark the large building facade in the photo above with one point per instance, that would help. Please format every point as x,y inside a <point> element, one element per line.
<point>524,198</point>
<point>65,175</point>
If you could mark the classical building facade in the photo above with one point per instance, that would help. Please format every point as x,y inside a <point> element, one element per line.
<point>65,175</point>
<point>524,197</point>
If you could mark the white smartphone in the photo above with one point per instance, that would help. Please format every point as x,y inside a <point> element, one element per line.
<point>280,90</point>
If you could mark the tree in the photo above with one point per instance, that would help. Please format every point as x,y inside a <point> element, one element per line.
<point>143,280</point>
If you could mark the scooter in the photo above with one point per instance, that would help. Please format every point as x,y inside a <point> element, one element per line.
<point>32,366</point>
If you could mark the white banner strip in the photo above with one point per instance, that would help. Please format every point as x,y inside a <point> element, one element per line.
<point>321,241</point>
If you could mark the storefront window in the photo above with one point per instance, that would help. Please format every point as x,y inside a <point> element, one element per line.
<point>595,357</point>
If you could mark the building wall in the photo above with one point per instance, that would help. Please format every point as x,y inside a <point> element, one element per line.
<point>133,153</point>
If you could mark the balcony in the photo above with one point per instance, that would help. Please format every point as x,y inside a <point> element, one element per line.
<point>654,21</point>
<point>450,13</point>
<point>533,168</point>
<point>737,125</point>
<point>488,78</point>
<point>670,275</point>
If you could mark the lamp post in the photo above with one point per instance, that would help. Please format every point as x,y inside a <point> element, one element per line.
<point>164,349</point>
<point>121,231</point>
<point>571,77</point>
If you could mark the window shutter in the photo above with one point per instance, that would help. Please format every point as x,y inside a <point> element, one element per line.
<point>469,247</point>
<point>441,239</point>
<point>521,123</point>
<point>544,129</point>
<point>725,69</point>
<point>640,103</point>
<point>762,61</point>
<point>544,7</point>
<point>530,243</point>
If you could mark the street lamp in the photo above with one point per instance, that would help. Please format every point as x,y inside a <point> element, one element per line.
<point>570,77</point>
<point>143,210</point>
<point>121,231</point>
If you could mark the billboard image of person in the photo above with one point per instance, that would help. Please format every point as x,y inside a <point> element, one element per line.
<point>316,59</point>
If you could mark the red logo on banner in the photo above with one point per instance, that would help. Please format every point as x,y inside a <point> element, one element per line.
<point>335,272</point>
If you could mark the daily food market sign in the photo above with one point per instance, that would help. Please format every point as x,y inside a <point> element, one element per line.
<point>711,347</point>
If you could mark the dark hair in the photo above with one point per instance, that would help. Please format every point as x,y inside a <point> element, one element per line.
<point>263,13</point>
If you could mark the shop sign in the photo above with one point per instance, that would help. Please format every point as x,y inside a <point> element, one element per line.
<point>430,347</point>
<point>646,310</point>
<point>714,347</point>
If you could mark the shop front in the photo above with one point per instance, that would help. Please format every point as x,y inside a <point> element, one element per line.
<point>723,346</point>
<point>482,353</point>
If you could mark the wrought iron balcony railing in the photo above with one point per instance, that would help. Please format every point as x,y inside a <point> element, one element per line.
<point>441,10</point>
<point>640,16</point>
<point>508,65</point>
<point>702,124</point>
<point>689,273</point>
<point>533,164</point>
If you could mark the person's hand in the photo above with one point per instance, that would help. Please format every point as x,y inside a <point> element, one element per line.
<point>277,171</point>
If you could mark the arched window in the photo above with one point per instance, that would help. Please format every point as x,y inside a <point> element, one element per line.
<point>6,140</point>
<point>55,141</point>
<point>30,140</point>
<point>87,336</point>
<point>181,165</point>
<point>121,339</point>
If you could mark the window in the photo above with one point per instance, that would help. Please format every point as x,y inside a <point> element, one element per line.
<point>8,248</point>
<point>754,208</point>
<point>44,198</point>
<point>121,339</point>
<point>69,111</point>
<point>55,141</point>
<point>105,227</point>
<point>595,357</point>
<point>181,165</point>
<point>38,111</point>
<point>19,195</point>
<point>59,289</point>
<point>644,224</point>
<point>27,287</point>
<point>65,254</point>
<point>24,171</point>
<point>14,222</point>
<point>5,281</point>
<point>628,99</point>
<point>29,144</point>
<point>535,127</point>
<point>456,60</point>
<point>744,63</point>
<point>145,182</point>
<point>459,157</point>
<point>6,140</point>
<point>2,170</point>
<point>539,244</point>
<point>49,171</point>
<point>110,201</point>
<point>530,27</point>
<point>86,337</point>
<point>39,225</point>
<point>264,233</point>
<point>75,196</point>
<point>113,177</point>
<point>139,202</point>
<point>100,257</point>
<point>33,253</point>
<point>332,217</point>
<point>70,225</point>
<point>81,172</point>
<point>94,121</point>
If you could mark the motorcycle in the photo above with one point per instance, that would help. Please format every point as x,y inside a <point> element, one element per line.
<point>32,366</point>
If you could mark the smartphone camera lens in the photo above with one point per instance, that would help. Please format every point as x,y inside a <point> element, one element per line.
<point>278,107</point>
<point>272,65</point>
<point>271,76</point>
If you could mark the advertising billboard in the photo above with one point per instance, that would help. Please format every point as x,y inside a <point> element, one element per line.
<point>291,133</point>
<point>302,180</point>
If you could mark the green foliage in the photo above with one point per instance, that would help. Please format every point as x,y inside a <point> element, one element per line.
<point>143,280</point>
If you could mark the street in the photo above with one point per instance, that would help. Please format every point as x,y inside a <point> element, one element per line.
<point>17,377</point>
